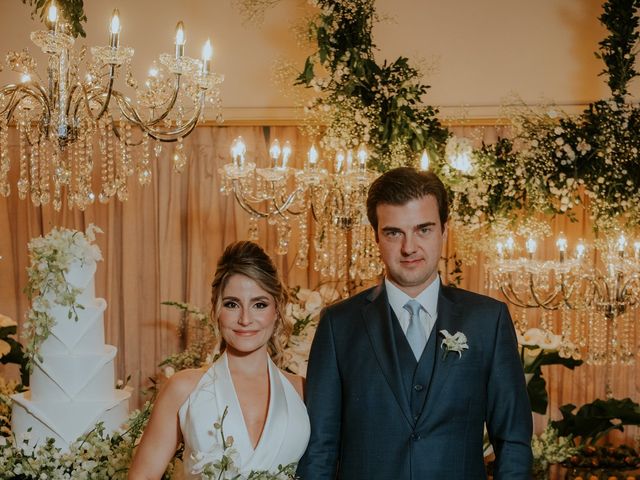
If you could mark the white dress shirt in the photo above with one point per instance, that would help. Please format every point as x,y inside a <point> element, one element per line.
<point>428,299</point>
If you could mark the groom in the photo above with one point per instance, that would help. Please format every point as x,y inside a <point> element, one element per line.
<point>402,377</point>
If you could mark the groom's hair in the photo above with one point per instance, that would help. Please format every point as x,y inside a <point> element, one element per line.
<point>401,185</point>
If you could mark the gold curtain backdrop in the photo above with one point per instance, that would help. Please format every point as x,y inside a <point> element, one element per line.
<point>164,241</point>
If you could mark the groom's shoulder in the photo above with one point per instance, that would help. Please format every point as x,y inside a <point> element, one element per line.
<point>354,302</point>
<point>469,298</point>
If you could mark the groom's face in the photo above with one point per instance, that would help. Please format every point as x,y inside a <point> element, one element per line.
<point>410,239</point>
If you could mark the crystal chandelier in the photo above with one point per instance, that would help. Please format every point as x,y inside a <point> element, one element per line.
<point>331,204</point>
<point>596,291</point>
<point>68,122</point>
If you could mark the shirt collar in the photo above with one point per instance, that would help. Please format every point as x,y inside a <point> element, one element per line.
<point>428,298</point>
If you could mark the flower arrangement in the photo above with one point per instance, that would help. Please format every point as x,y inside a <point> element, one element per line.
<point>361,101</point>
<point>556,162</point>
<point>549,448</point>
<point>541,347</point>
<point>221,463</point>
<point>51,256</point>
<point>97,455</point>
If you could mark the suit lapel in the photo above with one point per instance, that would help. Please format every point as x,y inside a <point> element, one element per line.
<point>450,319</point>
<point>377,320</point>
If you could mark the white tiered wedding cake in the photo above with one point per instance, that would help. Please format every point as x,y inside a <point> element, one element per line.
<point>72,383</point>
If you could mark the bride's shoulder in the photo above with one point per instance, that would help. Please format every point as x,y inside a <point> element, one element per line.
<point>297,381</point>
<point>182,383</point>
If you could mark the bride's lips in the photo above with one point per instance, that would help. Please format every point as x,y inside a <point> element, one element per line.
<point>245,333</point>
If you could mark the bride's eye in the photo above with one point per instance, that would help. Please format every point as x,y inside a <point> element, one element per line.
<point>261,305</point>
<point>230,304</point>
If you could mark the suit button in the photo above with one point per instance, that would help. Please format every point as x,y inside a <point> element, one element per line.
<point>418,388</point>
<point>415,436</point>
<point>416,417</point>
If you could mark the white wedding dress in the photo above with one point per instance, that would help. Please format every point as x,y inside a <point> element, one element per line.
<point>284,437</point>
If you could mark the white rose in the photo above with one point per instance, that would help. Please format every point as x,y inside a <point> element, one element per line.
<point>169,371</point>
<point>533,336</point>
<point>314,303</point>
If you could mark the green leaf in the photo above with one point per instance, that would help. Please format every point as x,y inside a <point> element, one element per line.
<point>537,390</point>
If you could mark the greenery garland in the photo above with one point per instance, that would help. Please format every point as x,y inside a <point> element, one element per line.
<point>361,101</point>
<point>72,10</point>
<point>556,162</point>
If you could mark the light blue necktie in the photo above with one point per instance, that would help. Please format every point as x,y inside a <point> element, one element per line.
<point>415,332</point>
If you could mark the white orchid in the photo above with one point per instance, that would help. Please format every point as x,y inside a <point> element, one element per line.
<point>454,343</point>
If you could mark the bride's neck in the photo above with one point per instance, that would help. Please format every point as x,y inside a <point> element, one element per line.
<point>254,363</point>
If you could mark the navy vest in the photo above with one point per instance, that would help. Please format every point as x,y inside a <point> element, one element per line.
<point>416,375</point>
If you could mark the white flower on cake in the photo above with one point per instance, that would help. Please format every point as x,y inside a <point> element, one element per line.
<point>51,257</point>
<point>454,343</point>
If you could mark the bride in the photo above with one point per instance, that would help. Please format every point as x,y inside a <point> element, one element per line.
<point>259,405</point>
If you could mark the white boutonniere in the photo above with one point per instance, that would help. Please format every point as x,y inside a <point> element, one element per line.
<point>453,343</point>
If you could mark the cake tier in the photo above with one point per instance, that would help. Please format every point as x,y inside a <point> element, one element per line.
<point>65,422</point>
<point>68,335</point>
<point>67,377</point>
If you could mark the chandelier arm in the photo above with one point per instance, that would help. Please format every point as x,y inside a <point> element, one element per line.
<point>172,102</point>
<point>549,300</point>
<point>313,203</point>
<point>247,206</point>
<point>105,104</point>
<point>284,205</point>
<point>513,298</point>
<point>132,115</point>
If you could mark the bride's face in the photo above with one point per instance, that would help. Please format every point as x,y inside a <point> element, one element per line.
<point>247,315</point>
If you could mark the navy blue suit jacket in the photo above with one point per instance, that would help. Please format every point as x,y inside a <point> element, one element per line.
<point>361,424</point>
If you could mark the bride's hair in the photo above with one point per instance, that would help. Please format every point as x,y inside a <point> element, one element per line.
<point>249,259</point>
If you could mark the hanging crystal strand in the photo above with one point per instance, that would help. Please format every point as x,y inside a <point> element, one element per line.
<point>45,178</point>
<point>103,196</point>
<point>34,174</point>
<point>521,319</point>
<point>566,332</point>
<point>144,172</point>
<point>179,158</point>
<point>302,255</point>
<point>128,149</point>
<point>57,183</point>
<point>283,235</point>
<point>545,320</point>
<point>5,188</point>
<point>120,181</point>
<point>341,255</point>
<point>112,186</point>
<point>87,170</point>
<point>253,228</point>
<point>23,182</point>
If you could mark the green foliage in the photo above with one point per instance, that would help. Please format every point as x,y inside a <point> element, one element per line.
<point>72,10</point>
<point>596,419</point>
<point>617,50</point>
<point>378,105</point>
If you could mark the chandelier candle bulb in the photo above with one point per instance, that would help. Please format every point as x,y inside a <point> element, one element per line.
<point>349,160</point>
<point>424,161</point>
<point>362,158</point>
<point>509,245</point>
<point>238,149</point>
<point>313,157</point>
<point>561,243</point>
<point>339,161</point>
<point>114,39</point>
<point>580,249</point>
<point>636,249</point>
<point>207,52</point>
<point>531,246</point>
<point>274,152</point>
<point>500,249</point>
<point>52,17</point>
<point>180,40</point>
<point>621,244</point>
<point>286,153</point>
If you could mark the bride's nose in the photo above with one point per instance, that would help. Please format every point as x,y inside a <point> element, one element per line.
<point>245,317</point>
